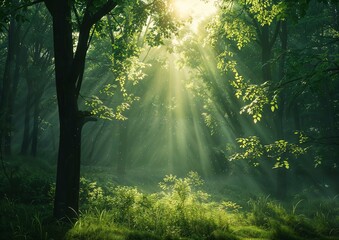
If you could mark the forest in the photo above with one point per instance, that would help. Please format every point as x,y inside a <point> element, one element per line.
<point>169,119</point>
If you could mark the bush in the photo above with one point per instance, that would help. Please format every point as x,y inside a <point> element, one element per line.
<point>180,210</point>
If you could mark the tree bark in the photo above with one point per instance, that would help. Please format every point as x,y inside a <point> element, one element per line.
<point>7,84</point>
<point>266,53</point>
<point>68,76</point>
<point>68,167</point>
<point>26,135</point>
<point>35,130</point>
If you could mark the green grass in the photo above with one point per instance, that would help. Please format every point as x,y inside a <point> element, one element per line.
<point>181,209</point>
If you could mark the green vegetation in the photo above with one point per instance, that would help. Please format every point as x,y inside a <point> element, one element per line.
<point>182,208</point>
<point>169,119</point>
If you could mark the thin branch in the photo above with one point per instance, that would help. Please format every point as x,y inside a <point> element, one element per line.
<point>76,15</point>
<point>91,36</point>
<point>26,5</point>
<point>105,9</point>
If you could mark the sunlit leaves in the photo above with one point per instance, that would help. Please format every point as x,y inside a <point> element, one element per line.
<point>274,102</point>
<point>317,161</point>
<point>164,24</point>
<point>99,109</point>
<point>281,163</point>
<point>239,24</point>
<point>183,189</point>
<point>109,89</point>
<point>265,11</point>
<point>210,122</point>
<point>303,138</point>
<point>231,206</point>
<point>281,151</point>
<point>90,192</point>
<point>240,32</point>
<point>252,149</point>
<point>179,211</point>
<point>255,96</point>
<point>130,26</point>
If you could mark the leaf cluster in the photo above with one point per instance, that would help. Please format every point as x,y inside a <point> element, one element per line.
<point>281,151</point>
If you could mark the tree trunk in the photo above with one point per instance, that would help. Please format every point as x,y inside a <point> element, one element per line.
<point>266,54</point>
<point>26,135</point>
<point>5,128</point>
<point>16,78</point>
<point>35,130</point>
<point>123,146</point>
<point>281,172</point>
<point>68,76</point>
<point>68,167</point>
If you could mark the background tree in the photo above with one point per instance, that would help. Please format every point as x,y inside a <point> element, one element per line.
<point>255,45</point>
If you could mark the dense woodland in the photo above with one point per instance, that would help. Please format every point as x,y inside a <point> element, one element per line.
<point>163,119</point>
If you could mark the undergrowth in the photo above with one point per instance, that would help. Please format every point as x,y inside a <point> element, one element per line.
<point>181,209</point>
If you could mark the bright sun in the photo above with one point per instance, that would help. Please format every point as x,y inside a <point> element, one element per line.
<point>197,9</point>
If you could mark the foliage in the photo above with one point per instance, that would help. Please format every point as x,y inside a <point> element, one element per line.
<point>27,183</point>
<point>181,210</point>
<point>281,151</point>
<point>239,24</point>
<point>131,28</point>
<point>271,215</point>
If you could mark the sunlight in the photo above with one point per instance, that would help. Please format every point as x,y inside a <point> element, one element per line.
<point>182,8</point>
<point>195,10</point>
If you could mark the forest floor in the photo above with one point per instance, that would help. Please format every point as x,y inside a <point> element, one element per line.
<point>156,207</point>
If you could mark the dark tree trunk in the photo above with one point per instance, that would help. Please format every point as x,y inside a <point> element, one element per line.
<point>16,78</point>
<point>68,167</point>
<point>267,40</point>
<point>35,130</point>
<point>266,53</point>
<point>69,70</point>
<point>7,84</point>
<point>26,135</point>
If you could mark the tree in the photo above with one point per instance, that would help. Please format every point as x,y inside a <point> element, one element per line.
<point>69,69</point>
<point>262,48</point>
<point>12,70</point>
<point>38,73</point>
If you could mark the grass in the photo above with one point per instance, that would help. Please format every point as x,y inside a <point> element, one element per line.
<point>181,209</point>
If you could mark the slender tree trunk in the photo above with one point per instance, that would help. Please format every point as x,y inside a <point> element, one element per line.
<point>266,53</point>
<point>281,172</point>
<point>16,78</point>
<point>35,130</point>
<point>26,136</point>
<point>123,146</point>
<point>5,128</point>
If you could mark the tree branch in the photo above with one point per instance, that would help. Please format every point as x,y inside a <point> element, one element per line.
<point>76,15</point>
<point>275,34</point>
<point>105,9</point>
<point>26,5</point>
